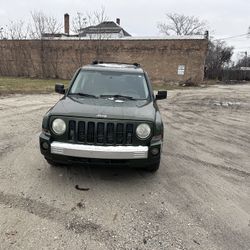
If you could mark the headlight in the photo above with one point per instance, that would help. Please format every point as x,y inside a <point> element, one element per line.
<point>59,126</point>
<point>143,131</point>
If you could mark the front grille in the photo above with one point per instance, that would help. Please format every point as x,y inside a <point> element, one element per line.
<point>101,133</point>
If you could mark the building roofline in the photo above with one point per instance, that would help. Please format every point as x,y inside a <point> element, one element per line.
<point>192,37</point>
<point>127,38</point>
<point>132,38</point>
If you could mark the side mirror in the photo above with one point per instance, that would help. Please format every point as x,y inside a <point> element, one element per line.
<point>162,94</point>
<point>59,88</point>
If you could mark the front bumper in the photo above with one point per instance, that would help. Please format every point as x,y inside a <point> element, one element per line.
<point>69,153</point>
<point>99,152</point>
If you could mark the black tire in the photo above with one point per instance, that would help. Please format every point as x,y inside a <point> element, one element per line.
<point>154,167</point>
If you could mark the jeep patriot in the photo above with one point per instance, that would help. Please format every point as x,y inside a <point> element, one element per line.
<point>108,115</point>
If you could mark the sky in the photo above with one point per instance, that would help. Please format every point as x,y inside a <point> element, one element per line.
<point>225,18</point>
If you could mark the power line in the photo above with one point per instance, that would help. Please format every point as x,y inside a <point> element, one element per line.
<point>231,37</point>
<point>238,40</point>
<point>241,48</point>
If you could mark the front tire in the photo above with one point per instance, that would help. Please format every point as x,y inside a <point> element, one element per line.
<point>154,167</point>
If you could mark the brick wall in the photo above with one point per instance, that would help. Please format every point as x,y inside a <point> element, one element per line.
<point>60,58</point>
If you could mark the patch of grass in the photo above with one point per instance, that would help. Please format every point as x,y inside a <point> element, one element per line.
<point>23,85</point>
<point>166,86</point>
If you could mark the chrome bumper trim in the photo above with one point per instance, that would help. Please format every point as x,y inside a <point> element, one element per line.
<point>99,152</point>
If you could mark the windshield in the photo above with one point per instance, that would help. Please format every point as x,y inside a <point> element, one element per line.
<point>110,84</point>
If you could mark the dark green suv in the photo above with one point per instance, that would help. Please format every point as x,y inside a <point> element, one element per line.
<point>108,115</point>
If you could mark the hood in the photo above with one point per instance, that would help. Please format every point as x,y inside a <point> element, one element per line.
<point>104,108</point>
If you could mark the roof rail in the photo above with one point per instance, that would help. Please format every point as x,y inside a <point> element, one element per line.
<point>131,64</point>
<point>97,62</point>
<point>137,64</point>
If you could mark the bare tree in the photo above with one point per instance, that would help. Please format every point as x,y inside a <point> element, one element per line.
<point>42,24</point>
<point>97,16</point>
<point>52,25</point>
<point>83,20</point>
<point>3,34</point>
<point>79,22</point>
<point>38,25</point>
<point>243,62</point>
<point>179,24</point>
<point>95,19</point>
<point>219,55</point>
<point>17,30</point>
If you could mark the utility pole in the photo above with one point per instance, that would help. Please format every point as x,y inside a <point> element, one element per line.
<point>245,65</point>
<point>1,32</point>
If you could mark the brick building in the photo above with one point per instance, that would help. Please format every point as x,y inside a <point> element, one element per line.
<point>165,59</point>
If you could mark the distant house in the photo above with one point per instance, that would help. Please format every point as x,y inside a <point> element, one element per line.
<point>103,30</point>
<point>107,29</point>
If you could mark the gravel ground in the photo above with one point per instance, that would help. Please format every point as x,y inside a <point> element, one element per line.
<point>199,198</point>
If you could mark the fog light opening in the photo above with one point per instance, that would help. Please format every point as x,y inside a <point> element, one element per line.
<point>155,151</point>
<point>45,145</point>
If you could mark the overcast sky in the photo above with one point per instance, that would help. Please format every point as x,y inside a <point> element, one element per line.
<point>226,18</point>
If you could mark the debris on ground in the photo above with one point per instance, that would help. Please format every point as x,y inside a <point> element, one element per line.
<point>81,188</point>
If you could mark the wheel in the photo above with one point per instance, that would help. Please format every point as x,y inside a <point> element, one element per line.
<point>154,167</point>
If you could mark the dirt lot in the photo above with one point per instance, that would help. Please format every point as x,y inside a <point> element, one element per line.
<point>199,199</point>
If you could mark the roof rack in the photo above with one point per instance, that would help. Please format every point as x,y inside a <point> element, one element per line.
<point>137,65</point>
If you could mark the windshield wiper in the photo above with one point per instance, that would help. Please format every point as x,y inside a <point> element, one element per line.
<point>119,97</point>
<point>83,94</point>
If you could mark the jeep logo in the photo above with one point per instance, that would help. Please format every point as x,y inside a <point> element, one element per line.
<point>101,116</point>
